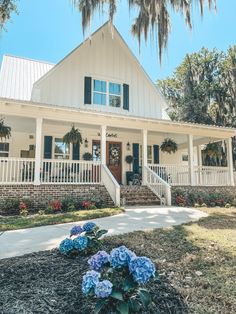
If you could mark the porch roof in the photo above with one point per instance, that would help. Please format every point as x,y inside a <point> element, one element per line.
<point>59,113</point>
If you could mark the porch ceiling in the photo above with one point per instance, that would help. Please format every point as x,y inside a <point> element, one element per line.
<point>56,113</point>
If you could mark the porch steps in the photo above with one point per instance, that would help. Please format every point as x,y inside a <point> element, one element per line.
<point>133,195</point>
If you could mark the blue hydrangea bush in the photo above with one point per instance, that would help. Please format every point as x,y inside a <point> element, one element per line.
<point>117,280</point>
<point>84,239</point>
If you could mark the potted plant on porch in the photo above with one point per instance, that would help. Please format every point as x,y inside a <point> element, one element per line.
<point>73,136</point>
<point>169,146</point>
<point>129,174</point>
<point>5,131</point>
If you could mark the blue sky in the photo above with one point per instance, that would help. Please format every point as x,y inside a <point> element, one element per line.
<point>48,30</point>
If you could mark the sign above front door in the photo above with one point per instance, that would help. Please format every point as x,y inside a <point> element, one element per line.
<point>114,135</point>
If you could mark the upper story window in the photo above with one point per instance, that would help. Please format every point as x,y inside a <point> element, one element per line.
<point>114,95</point>
<point>4,149</point>
<point>99,92</point>
<point>61,150</point>
<point>106,93</point>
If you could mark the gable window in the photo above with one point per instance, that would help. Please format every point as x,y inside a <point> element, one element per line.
<point>99,92</point>
<point>61,150</point>
<point>114,95</point>
<point>4,149</point>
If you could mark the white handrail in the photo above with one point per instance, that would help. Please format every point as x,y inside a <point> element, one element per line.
<point>111,184</point>
<point>58,171</point>
<point>159,186</point>
<point>16,170</point>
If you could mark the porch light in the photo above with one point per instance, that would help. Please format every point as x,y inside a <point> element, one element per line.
<point>86,143</point>
<point>128,146</point>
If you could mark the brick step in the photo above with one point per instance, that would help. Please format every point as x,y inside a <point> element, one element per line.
<point>138,195</point>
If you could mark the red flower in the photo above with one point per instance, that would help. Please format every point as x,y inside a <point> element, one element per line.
<point>56,205</point>
<point>86,204</point>
<point>22,206</point>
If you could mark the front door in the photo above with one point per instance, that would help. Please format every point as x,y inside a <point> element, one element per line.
<point>114,159</point>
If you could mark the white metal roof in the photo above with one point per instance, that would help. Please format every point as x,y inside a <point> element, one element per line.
<point>18,75</point>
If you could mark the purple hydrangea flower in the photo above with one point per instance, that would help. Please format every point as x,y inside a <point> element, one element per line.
<point>80,243</point>
<point>76,230</point>
<point>121,256</point>
<point>90,279</point>
<point>89,226</point>
<point>103,289</point>
<point>66,246</point>
<point>142,269</point>
<point>97,261</point>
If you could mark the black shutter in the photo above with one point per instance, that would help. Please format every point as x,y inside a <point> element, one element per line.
<point>76,152</point>
<point>47,147</point>
<point>126,96</point>
<point>136,158</point>
<point>156,154</point>
<point>87,90</point>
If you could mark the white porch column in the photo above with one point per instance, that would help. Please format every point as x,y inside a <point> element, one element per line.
<point>199,157</point>
<point>230,160</point>
<point>144,155</point>
<point>103,144</point>
<point>190,160</point>
<point>38,146</point>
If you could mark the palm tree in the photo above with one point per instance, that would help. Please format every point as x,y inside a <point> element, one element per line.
<point>152,17</point>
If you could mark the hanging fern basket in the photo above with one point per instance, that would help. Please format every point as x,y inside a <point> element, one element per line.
<point>73,136</point>
<point>169,146</point>
<point>5,131</point>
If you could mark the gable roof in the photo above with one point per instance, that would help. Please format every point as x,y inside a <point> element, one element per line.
<point>112,29</point>
<point>18,76</point>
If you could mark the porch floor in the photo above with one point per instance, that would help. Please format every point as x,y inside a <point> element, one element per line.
<point>135,218</point>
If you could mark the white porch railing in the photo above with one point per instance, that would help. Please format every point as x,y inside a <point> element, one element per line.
<point>216,176</point>
<point>70,172</point>
<point>172,174</point>
<point>180,175</point>
<point>159,186</point>
<point>111,184</point>
<point>16,170</point>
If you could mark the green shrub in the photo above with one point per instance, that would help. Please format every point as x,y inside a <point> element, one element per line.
<point>69,203</point>
<point>10,206</point>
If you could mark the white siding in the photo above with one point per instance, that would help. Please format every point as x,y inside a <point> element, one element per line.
<point>104,57</point>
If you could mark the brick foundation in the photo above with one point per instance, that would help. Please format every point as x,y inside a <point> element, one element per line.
<point>39,195</point>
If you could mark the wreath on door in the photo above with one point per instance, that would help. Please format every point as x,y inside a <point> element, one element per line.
<point>114,153</point>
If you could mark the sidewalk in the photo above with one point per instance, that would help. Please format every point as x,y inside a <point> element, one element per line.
<point>20,242</point>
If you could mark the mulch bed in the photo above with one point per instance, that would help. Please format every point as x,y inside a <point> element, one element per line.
<point>47,282</point>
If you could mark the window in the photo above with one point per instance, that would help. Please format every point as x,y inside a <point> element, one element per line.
<point>61,150</point>
<point>185,157</point>
<point>106,94</point>
<point>99,92</point>
<point>114,95</point>
<point>4,149</point>
<point>149,154</point>
<point>96,151</point>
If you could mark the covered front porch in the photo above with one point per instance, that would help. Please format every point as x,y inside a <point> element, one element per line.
<point>35,153</point>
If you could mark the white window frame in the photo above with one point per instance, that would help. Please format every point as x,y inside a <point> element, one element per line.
<point>150,161</point>
<point>4,151</point>
<point>56,154</point>
<point>107,93</point>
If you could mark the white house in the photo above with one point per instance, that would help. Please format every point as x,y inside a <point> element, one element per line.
<point>101,88</point>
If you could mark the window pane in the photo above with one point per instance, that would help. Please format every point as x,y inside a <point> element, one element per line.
<point>149,148</point>
<point>99,99</point>
<point>99,86</point>
<point>114,101</point>
<point>114,88</point>
<point>61,148</point>
<point>4,147</point>
<point>96,151</point>
<point>3,154</point>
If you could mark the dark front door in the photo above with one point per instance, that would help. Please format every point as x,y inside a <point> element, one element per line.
<point>114,159</point>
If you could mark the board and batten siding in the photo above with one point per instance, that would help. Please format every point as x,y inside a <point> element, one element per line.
<point>105,57</point>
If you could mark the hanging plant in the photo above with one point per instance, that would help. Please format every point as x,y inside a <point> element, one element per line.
<point>212,149</point>
<point>169,146</point>
<point>5,131</point>
<point>73,136</point>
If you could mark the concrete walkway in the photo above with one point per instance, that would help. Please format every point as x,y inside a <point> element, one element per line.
<point>20,242</point>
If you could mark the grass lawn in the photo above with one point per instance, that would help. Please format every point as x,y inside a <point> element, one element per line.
<point>18,222</point>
